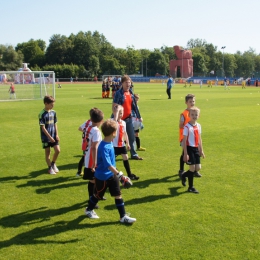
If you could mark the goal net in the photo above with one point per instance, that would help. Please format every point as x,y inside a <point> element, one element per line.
<point>27,85</point>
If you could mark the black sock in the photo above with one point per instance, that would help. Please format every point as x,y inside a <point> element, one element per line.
<point>120,207</point>
<point>90,188</point>
<point>138,142</point>
<point>185,174</point>
<point>80,165</point>
<point>181,163</point>
<point>127,168</point>
<point>52,163</point>
<point>92,203</point>
<point>190,178</point>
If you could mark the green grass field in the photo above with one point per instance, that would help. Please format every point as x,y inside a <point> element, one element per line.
<point>42,216</point>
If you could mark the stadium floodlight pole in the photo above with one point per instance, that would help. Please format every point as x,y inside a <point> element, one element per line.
<point>223,74</point>
<point>146,67</point>
<point>142,67</point>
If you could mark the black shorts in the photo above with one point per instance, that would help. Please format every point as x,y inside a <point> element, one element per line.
<point>194,155</point>
<point>137,131</point>
<point>49,144</point>
<point>120,150</point>
<point>88,174</point>
<point>112,184</point>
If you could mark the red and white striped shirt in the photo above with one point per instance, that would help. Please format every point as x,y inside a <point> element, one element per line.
<point>193,133</point>
<point>94,136</point>
<point>119,140</point>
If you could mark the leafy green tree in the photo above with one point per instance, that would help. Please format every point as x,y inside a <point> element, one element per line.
<point>199,65</point>
<point>59,50</point>
<point>33,53</point>
<point>132,61</point>
<point>93,65</point>
<point>145,53</point>
<point>9,58</point>
<point>229,65</point>
<point>112,66</point>
<point>157,63</point>
<point>257,66</point>
<point>245,63</point>
<point>192,43</point>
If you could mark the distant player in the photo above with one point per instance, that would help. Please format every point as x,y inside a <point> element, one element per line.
<point>243,84</point>
<point>12,91</point>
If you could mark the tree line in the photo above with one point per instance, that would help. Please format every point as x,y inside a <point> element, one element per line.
<point>89,54</point>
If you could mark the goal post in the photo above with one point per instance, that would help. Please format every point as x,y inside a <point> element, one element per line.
<point>28,85</point>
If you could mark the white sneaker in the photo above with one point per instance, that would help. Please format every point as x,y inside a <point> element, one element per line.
<point>54,167</point>
<point>127,219</point>
<point>91,214</point>
<point>51,171</point>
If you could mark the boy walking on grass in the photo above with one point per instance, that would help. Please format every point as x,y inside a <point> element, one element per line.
<point>184,119</point>
<point>92,138</point>
<point>82,129</point>
<point>121,142</point>
<point>107,176</point>
<point>192,146</point>
<point>49,133</point>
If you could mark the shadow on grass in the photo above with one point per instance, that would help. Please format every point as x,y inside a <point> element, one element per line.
<point>35,174</point>
<point>58,180</point>
<point>150,198</point>
<point>54,184</point>
<point>39,235</point>
<point>37,215</point>
<point>146,183</point>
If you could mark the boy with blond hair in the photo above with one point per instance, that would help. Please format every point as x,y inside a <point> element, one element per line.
<point>121,142</point>
<point>184,119</point>
<point>193,149</point>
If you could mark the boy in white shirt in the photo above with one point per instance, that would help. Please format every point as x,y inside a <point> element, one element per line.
<point>121,142</point>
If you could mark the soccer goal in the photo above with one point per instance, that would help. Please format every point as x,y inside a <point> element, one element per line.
<point>27,85</point>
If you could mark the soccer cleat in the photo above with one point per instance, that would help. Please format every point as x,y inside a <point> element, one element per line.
<point>133,177</point>
<point>79,174</point>
<point>51,171</point>
<point>91,214</point>
<point>192,190</point>
<point>183,180</point>
<point>127,219</point>
<point>54,167</point>
<point>197,174</point>
<point>136,157</point>
<point>141,149</point>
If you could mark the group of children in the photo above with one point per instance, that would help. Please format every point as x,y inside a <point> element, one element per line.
<point>106,85</point>
<point>114,85</point>
<point>99,155</point>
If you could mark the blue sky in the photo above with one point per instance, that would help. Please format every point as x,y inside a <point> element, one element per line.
<point>142,24</point>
